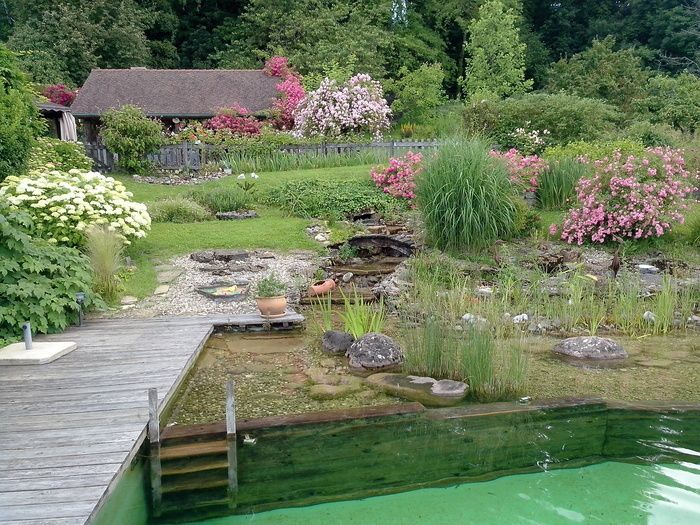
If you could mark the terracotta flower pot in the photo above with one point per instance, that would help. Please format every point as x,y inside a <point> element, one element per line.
<point>322,287</point>
<point>271,307</point>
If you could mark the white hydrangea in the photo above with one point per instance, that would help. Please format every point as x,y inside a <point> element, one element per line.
<point>64,203</point>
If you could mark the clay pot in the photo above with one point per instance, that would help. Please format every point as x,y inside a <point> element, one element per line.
<point>322,287</point>
<point>271,307</point>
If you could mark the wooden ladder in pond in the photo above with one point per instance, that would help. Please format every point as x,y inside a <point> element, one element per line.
<point>193,476</point>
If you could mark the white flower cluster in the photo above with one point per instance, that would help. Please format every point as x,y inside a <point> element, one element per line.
<point>253,175</point>
<point>63,204</point>
<point>529,141</point>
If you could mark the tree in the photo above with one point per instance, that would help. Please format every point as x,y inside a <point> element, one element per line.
<point>19,117</point>
<point>601,72</point>
<point>674,101</point>
<point>496,66</point>
<point>419,93</point>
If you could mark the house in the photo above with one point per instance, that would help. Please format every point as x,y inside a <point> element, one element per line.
<point>60,120</point>
<point>172,95</point>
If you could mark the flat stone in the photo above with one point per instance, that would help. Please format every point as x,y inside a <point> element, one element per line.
<point>425,390</point>
<point>41,352</point>
<point>336,342</point>
<point>209,256</point>
<point>647,268</point>
<point>374,352</point>
<point>484,291</point>
<point>590,347</point>
<point>168,277</point>
<point>324,392</point>
<point>129,299</point>
<point>236,215</point>
<point>162,289</point>
<point>347,277</point>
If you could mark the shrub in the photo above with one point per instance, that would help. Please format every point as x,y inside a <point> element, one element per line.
<point>58,154</point>
<point>104,247</point>
<point>419,93</point>
<point>19,117</point>
<point>234,120</point>
<point>329,199</point>
<point>63,204</point>
<point>651,134</point>
<point>219,199</point>
<point>524,170</point>
<point>131,135</point>
<point>674,101</point>
<point>38,281</point>
<point>527,220</point>
<point>556,188</point>
<point>568,118</point>
<point>290,89</point>
<point>357,106</point>
<point>465,197</point>
<point>397,179</point>
<point>592,151</point>
<point>60,94</point>
<point>630,197</point>
<point>178,209</point>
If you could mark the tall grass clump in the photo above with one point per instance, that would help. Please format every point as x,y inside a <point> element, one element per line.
<point>179,210</point>
<point>361,317</point>
<point>221,200</point>
<point>556,185</point>
<point>466,197</point>
<point>105,247</point>
<point>243,161</point>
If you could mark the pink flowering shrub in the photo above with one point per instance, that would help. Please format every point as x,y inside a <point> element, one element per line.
<point>290,89</point>
<point>630,197</point>
<point>524,169</point>
<point>60,94</point>
<point>357,106</point>
<point>235,120</point>
<point>397,179</point>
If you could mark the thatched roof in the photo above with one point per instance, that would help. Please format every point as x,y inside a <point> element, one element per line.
<point>190,93</point>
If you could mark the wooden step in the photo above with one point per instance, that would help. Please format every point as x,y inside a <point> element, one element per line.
<point>194,467</point>
<point>207,448</point>
<point>195,484</point>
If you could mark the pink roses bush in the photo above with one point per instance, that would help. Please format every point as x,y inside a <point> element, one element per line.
<point>524,169</point>
<point>397,179</point>
<point>235,120</point>
<point>630,197</point>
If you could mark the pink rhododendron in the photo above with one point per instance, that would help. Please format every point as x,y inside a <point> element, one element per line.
<point>60,94</point>
<point>523,169</point>
<point>290,89</point>
<point>235,120</point>
<point>357,106</point>
<point>397,179</point>
<point>630,197</point>
<point>277,66</point>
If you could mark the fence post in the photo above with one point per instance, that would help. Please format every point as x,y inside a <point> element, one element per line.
<point>231,439</point>
<point>154,440</point>
<point>391,149</point>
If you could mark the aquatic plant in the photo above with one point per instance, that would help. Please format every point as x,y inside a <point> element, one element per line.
<point>361,317</point>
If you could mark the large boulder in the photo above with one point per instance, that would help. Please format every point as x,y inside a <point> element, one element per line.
<point>590,347</point>
<point>425,390</point>
<point>374,352</point>
<point>335,342</point>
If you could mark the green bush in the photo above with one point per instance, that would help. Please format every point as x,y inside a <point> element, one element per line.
<point>556,185</point>
<point>19,117</point>
<point>59,154</point>
<point>527,220</point>
<point>220,199</point>
<point>568,118</point>
<point>329,199</point>
<point>418,93</point>
<point>594,150</point>
<point>38,281</point>
<point>651,134</point>
<point>131,135</point>
<point>674,101</point>
<point>465,197</point>
<point>178,209</point>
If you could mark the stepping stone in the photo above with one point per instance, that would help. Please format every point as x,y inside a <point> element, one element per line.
<point>129,300</point>
<point>425,390</point>
<point>590,347</point>
<point>168,276</point>
<point>162,289</point>
<point>323,392</point>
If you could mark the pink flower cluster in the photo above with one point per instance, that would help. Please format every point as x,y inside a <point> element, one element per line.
<point>60,94</point>
<point>397,179</point>
<point>630,197</point>
<point>235,120</point>
<point>524,169</point>
<point>291,91</point>
<point>277,66</point>
<point>356,106</point>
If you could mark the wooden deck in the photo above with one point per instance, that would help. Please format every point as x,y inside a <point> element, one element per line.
<point>69,428</point>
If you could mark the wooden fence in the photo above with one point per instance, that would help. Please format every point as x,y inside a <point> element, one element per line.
<point>190,156</point>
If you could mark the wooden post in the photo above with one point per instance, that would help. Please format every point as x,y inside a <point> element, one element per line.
<point>231,440</point>
<point>154,440</point>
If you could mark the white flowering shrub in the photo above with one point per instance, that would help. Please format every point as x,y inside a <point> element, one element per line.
<point>62,204</point>
<point>357,106</point>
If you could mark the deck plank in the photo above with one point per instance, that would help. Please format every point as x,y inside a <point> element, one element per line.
<point>69,428</point>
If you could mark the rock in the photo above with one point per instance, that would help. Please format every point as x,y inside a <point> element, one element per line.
<point>374,352</point>
<point>236,215</point>
<point>168,276</point>
<point>590,347</point>
<point>347,277</point>
<point>336,342</point>
<point>129,300</point>
<point>649,317</point>
<point>484,291</point>
<point>324,392</point>
<point>474,319</point>
<point>209,256</point>
<point>321,237</point>
<point>647,268</point>
<point>425,390</point>
<point>520,319</point>
<point>161,289</point>
<point>694,320</point>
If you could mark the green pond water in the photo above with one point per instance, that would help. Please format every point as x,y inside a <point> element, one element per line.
<point>607,493</point>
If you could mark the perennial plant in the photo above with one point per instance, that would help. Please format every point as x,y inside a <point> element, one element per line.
<point>397,179</point>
